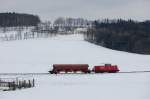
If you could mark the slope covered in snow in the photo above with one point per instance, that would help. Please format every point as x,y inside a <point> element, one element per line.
<point>39,54</point>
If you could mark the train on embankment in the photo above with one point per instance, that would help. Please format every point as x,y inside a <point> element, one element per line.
<point>83,68</point>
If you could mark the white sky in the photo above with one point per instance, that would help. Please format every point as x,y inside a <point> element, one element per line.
<point>90,9</point>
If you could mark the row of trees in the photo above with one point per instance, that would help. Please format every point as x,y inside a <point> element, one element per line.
<point>24,33</point>
<point>16,19</point>
<point>130,36</point>
<point>72,22</point>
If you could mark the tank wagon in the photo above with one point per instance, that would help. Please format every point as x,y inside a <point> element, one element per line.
<point>57,68</point>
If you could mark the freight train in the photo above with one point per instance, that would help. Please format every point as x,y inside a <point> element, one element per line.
<point>84,68</point>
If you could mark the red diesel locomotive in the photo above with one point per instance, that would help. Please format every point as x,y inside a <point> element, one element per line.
<point>105,68</point>
<point>57,68</point>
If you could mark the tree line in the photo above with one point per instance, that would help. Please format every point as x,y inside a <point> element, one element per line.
<point>17,19</point>
<point>124,35</point>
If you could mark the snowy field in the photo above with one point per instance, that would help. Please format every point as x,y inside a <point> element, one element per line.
<point>96,86</point>
<point>37,55</point>
<point>29,56</point>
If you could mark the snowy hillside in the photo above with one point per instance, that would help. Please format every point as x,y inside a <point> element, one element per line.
<point>39,54</point>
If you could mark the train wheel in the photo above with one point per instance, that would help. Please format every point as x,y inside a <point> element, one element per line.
<point>55,72</point>
<point>89,71</point>
<point>51,72</point>
<point>85,72</point>
<point>75,71</point>
<point>66,72</point>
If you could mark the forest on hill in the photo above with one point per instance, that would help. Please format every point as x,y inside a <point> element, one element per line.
<point>124,35</point>
<point>18,19</point>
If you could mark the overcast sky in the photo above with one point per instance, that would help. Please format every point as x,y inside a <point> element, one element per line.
<point>90,9</point>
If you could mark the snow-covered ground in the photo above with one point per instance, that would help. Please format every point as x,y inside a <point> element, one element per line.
<point>37,55</point>
<point>96,86</point>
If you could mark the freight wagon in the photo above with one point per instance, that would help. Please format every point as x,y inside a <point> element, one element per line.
<point>57,68</point>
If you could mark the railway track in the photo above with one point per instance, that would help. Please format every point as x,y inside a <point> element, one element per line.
<point>24,74</point>
<point>32,74</point>
<point>135,72</point>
